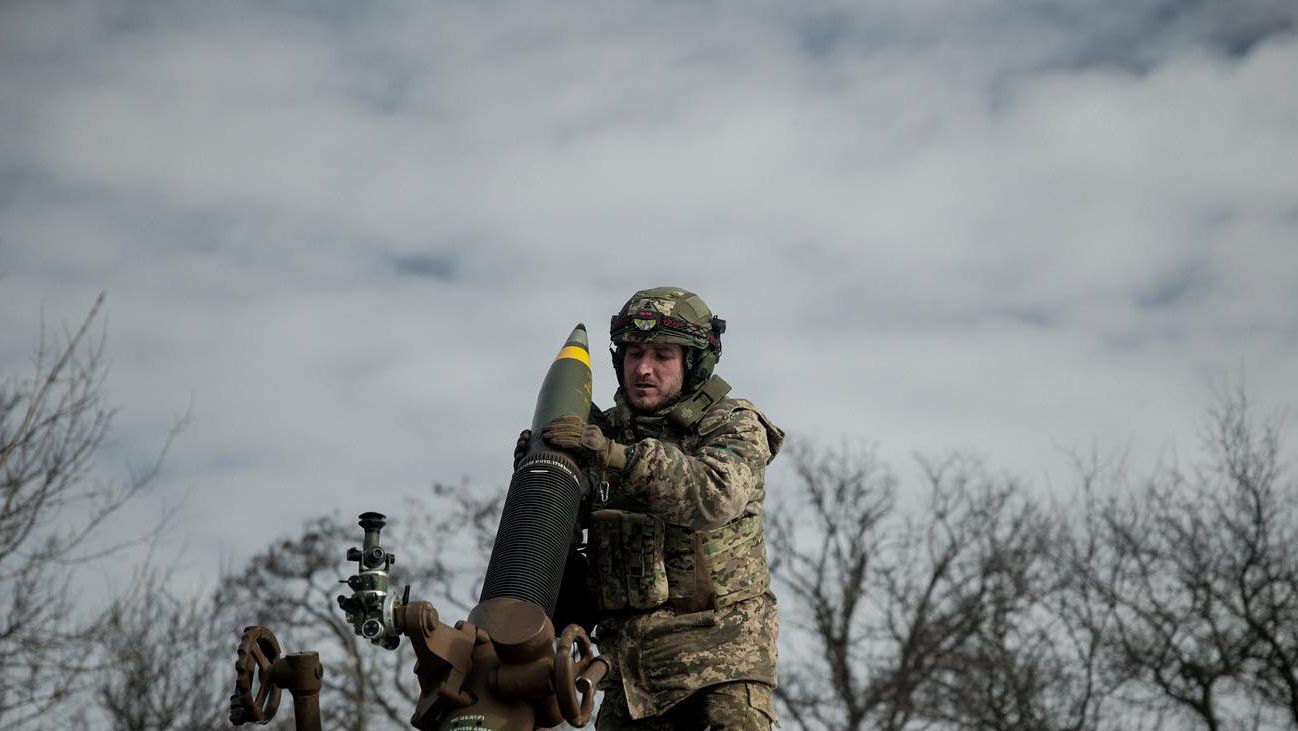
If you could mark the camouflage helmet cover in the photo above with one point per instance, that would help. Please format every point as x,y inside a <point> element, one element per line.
<point>667,315</point>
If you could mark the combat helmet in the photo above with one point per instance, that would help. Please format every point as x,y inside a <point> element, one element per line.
<point>669,315</point>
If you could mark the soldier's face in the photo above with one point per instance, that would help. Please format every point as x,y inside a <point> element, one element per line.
<point>652,374</point>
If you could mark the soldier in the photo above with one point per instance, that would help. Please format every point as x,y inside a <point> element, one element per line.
<point>677,554</point>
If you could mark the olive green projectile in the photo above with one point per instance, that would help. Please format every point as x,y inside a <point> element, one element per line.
<point>567,386</point>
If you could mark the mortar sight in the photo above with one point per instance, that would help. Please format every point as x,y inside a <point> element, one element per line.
<point>371,607</point>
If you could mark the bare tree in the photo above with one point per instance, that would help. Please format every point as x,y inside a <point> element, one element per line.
<point>52,515</point>
<point>956,615</point>
<point>823,543</point>
<point>1087,621</point>
<point>156,652</point>
<point>986,574</point>
<point>1253,505</point>
<point>1203,584</point>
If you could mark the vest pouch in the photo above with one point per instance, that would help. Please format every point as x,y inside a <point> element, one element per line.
<point>738,562</point>
<point>646,572</point>
<point>607,559</point>
<point>717,568</point>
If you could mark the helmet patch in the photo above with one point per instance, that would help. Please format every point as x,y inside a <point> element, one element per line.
<point>645,320</point>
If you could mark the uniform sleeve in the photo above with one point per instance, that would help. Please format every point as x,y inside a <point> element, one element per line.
<point>708,487</point>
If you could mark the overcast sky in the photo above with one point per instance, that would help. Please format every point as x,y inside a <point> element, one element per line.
<point>353,235</point>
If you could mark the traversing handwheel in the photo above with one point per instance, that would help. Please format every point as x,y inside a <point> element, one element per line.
<point>575,661</point>
<point>258,650</point>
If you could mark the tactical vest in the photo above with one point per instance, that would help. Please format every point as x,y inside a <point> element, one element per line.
<point>640,562</point>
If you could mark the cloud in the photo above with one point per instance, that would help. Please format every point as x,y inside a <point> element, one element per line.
<point>353,235</point>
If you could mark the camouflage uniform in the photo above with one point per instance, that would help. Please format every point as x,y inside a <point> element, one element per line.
<point>675,552</point>
<point>693,661</point>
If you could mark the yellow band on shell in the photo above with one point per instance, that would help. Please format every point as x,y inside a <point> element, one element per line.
<point>576,352</point>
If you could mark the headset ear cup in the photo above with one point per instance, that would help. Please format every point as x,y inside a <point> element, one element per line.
<point>703,367</point>
<point>617,352</point>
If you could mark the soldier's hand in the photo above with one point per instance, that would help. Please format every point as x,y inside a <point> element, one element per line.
<point>572,432</point>
<point>520,448</point>
<point>565,432</point>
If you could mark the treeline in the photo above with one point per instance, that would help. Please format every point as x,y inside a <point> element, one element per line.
<point>969,601</point>
<point>1168,602</point>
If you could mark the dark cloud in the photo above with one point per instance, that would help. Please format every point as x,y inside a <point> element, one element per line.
<point>1190,280</point>
<point>441,267</point>
<point>1016,37</point>
<point>1139,36</point>
<point>1036,318</point>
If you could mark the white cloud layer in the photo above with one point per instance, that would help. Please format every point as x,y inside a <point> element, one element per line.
<point>355,235</point>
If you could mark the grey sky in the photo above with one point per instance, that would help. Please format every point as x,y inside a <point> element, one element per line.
<point>354,235</point>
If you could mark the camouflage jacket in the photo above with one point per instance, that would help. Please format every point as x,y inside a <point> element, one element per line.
<point>702,478</point>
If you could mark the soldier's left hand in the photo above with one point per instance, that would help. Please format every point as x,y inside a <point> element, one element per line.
<point>572,432</point>
<point>520,447</point>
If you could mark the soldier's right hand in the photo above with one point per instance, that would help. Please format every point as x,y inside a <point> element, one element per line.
<point>572,432</point>
<point>520,448</point>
